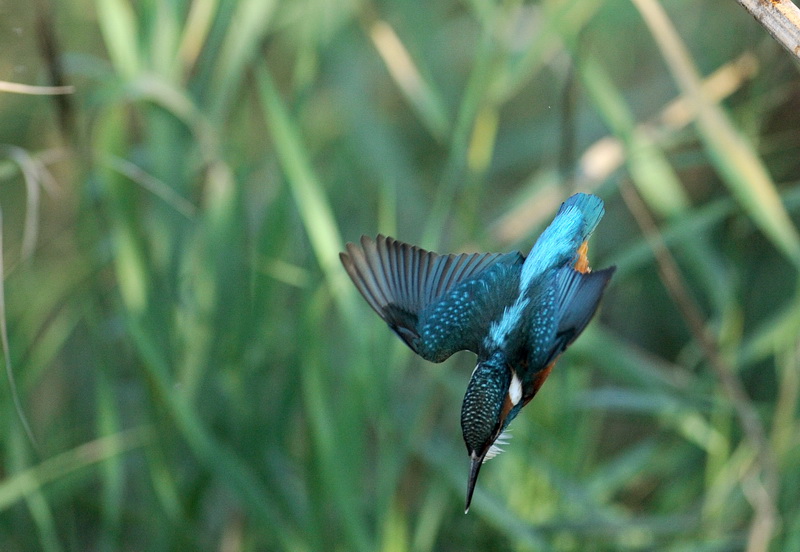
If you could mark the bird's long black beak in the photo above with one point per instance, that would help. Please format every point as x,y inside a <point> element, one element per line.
<point>474,468</point>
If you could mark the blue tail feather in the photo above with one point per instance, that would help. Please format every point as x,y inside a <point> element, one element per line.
<point>591,208</point>
<point>576,220</point>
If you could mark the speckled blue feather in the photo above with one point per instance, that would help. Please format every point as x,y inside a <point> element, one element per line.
<point>518,315</point>
<point>459,320</point>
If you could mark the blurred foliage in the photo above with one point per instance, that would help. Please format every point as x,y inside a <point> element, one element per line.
<point>200,375</point>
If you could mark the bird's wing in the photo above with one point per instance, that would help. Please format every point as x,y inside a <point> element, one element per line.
<point>572,300</point>
<point>431,301</point>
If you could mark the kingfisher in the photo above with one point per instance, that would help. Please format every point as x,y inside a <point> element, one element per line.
<point>517,313</point>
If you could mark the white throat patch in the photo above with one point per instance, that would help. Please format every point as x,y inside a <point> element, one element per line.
<point>515,389</point>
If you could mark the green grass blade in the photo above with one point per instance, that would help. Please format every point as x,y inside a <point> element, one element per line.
<point>211,453</point>
<point>419,92</point>
<point>733,155</point>
<point>309,195</point>
<point>21,484</point>
<point>250,21</point>
<point>652,174</point>
<point>120,31</point>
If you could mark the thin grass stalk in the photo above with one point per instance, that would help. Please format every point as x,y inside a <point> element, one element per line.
<point>561,19</point>
<point>420,93</point>
<point>599,161</point>
<point>309,195</point>
<point>36,500</point>
<point>249,24</point>
<point>32,176</point>
<point>7,353</point>
<point>474,97</point>
<point>332,431</point>
<point>19,485</point>
<point>113,470</point>
<point>734,157</point>
<point>195,32</point>
<point>654,177</point>
<point>762,487</point>
<point>20,88</point>
<point>120,30</point>
<point>209,451</point>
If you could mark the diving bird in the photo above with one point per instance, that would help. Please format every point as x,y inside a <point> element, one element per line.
<point>517,313</point>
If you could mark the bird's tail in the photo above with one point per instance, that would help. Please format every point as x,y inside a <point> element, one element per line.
<point>589,206</point>
<point>558,245</point>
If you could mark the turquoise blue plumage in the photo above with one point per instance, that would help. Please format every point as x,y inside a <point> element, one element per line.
<point>516,313</point>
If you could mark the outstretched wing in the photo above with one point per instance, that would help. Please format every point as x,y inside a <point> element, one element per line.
<point>567,306</point>
<point>435,303</point>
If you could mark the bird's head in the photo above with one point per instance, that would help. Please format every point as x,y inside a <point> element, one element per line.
<point>493,392</point>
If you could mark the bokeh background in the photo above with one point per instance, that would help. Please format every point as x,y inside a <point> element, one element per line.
<point>199,374</point>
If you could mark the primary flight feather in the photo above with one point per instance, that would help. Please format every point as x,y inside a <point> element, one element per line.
<point>518,314</point>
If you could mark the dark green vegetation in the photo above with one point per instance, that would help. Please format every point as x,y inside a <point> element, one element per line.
<point>200,374</point>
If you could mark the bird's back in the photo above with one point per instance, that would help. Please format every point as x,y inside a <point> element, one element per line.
<point>559,243</point>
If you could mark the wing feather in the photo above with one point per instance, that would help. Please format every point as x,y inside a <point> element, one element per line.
<point>400,281</point>
<point>576,296</point>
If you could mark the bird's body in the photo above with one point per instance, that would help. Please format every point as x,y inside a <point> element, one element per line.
<point>517,314</point>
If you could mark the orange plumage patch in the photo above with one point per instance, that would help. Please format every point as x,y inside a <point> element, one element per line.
<point>539,378</point>
<point>582,264</point>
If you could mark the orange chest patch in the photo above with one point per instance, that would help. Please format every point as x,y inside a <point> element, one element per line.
<point>538,380</point>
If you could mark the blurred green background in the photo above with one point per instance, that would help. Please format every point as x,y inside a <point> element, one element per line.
<point>198,372</point>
